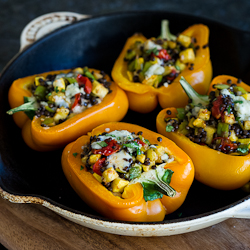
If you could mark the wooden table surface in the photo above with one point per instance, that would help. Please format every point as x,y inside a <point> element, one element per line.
<point>30,226</point>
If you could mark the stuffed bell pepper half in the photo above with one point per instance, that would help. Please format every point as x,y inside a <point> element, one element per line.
<point>55,108</point>
<point>214,130</point>
<point>149,70</point>
<point>127,172</point>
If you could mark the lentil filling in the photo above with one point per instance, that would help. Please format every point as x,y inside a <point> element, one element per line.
<point>56,98</point>
<point>220,121</point>
<point>121,158</point>
<point>158,61</point>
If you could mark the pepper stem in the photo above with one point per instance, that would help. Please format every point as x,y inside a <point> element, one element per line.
<point>168,190</point>
<point>192,94</point>
<point>165,31</point>
<point>28,106</point>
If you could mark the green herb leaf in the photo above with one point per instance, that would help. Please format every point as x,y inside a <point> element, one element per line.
<point>150,191</point>
<point>243,149</point>
<point>240,102</point>
<point>228,109</point>
<point>102,144</point>
<point>154,51</point>
<point>70,80</point>
<point>237,118</point>
<point>29,107</point>
<point>169,128</point>
<point>75,154</point>
<point>56,89</point>
<point>147,141</point>
<point>82,167</point>
<point>132,144</point>
<point>87,73</point>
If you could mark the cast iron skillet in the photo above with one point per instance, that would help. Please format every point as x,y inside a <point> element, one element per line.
<point>97,42</point>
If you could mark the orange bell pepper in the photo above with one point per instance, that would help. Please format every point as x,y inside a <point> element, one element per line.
<point>132,207</point>
<point>144,98</point>
<point>113,108</point>
<point>212,168</point>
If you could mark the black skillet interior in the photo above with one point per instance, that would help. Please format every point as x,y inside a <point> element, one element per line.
<point>97,43</point>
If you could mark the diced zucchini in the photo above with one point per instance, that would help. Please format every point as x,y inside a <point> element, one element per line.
<point>182,128</point>
<point>154,80</point>
<point>184,40</point>
<point>151,154</point>
<point>99,90</point>
<point>204,114</point>
<point>118,185</point>
<point>97,75</point>
<point>141,158</point>
<point>223,129</point>
<point>245,141</point>
<point>48,121</point>
<point>247,125</point>
<point>84,159</point>
<point>78,70</point>
<point>229,118</point>
<point>109,175</point>
<point>59,84</point>
<point>61,114</point>
<point>98,177</point>
<point>37,82</point>
<point>191,121</point>
<point>210,133</point>
<point>172,44</point>
<point>181,66</point>
<point>187,56</point>
<point>199,123</point>
<point>94,158</point>
<point>246,96</point>
<point>233,136</point>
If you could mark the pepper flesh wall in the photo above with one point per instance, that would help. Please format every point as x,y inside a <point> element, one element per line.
<point>130,205</point>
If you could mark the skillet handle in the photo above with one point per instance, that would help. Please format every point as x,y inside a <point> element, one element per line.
<point>242,210</point>
<point>45,24</point>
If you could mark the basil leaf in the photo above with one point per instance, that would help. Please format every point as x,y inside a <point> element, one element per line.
<point>240,102</point>
<point>237,118</point>
<point>131,145</point>
<point>154,51</point>
<point>102,144</point>
<point>75,154</point>
<point>150,191</point>
<point>169,128</point>
<point>243,149</point>
<point>29,113</point>
<point>167,176</point>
